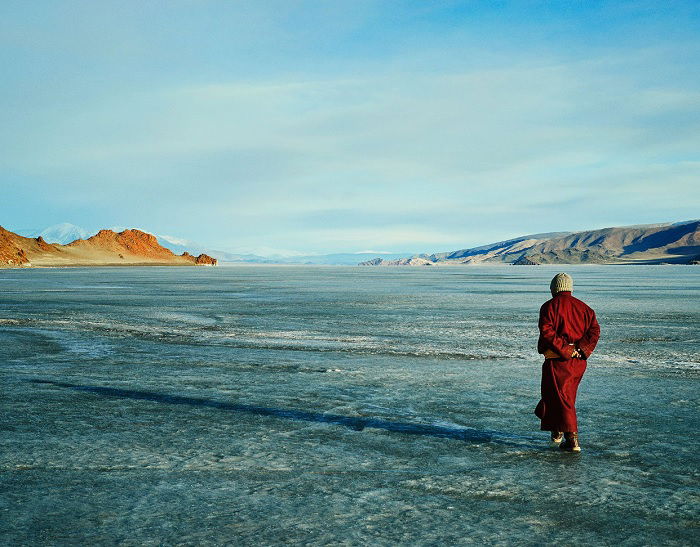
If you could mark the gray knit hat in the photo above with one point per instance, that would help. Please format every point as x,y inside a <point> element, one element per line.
<point>561,282</point>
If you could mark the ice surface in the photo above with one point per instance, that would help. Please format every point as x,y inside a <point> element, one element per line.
<point>340,406</point>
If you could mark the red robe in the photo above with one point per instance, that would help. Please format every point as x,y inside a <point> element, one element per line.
<point>564,320</point>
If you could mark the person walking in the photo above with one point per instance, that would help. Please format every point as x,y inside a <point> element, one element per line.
<point>569,333</point>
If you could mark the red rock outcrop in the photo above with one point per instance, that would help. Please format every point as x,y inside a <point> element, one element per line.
<point>205,260</point>
<point>201,260</point>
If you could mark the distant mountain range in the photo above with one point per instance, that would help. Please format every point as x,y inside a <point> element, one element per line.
<point>66,233</point>
<point>677,243</point>
<point>338,259</point>
<point>105,248</point>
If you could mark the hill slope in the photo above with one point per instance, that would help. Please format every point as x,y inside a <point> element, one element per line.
<point>128,248</point>
<point>648,244</point>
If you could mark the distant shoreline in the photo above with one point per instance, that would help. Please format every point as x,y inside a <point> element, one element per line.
<point>329,266</point>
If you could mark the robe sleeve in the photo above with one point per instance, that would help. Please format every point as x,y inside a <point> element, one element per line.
<point>549,339</point>
<point>589,340</point>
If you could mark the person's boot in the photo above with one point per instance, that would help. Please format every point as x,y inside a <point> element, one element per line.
<point>557,437</point>
<point>570,443</point>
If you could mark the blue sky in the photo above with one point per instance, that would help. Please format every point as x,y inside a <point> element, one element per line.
<point>322,126</point>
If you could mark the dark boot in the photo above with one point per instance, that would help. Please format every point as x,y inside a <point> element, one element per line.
<point>557,437</point>
<point>570,443</point>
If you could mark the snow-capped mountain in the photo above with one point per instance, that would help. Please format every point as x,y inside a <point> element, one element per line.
<point>62,233</point>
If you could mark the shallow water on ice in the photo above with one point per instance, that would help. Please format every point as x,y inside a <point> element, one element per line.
<point>264,405</point>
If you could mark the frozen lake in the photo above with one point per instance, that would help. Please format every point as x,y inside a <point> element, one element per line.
<point>341,405</point>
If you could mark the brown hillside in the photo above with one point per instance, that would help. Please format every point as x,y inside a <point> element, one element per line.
<point>651,244</point>
<point>12,252</point>
<point>132,242</point>
<point>631,243</point>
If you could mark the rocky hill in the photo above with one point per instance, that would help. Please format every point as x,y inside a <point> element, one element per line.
<point>677,243</point>
<point>106,248</point>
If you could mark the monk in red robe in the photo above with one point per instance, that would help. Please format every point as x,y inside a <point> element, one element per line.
<point>569,333</point>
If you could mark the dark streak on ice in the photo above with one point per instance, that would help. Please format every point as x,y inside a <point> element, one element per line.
<point>355,423</point>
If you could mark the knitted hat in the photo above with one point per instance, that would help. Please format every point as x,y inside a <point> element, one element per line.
<point>561,282</point>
